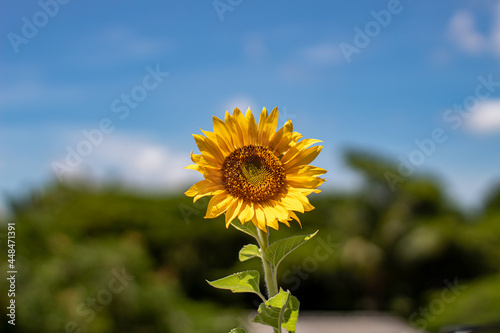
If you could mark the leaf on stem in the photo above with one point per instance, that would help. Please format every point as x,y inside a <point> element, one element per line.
<point>242,282</point>
<point>271,312</point>
<point>278,250</point>
<point>281,310</point>
<point>291,314</point>
<point>237,330</point>
<point>249,251</point>
<point>246,228</point>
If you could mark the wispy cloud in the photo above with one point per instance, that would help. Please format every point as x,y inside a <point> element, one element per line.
<point>464,32</point>
<point>495,35</point>
<point>36,93</point>
<point>485,117</point>
<point>255,48</point>
<point>322,54</point>
<point>241,102</point>
<point>118,45</point>
<point>307,63</point>
<point>136,162</point>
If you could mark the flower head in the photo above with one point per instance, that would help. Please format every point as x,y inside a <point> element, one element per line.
<point>255,173</point>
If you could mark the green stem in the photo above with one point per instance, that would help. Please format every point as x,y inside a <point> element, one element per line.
<point>272,288</point>
<point>271,284</point>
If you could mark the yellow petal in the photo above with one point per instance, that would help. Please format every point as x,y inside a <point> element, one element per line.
<point>215,191</point>
<point>295,217</point>
<point>282,140</point>
<point>218,204</point>
<point>260,128</point>
<point>218,142</point>
<point>304,182</point>
<point>224,146</point>
<point>262,119</point>
<point>246,213</point>
<point>297,194</point>
<point>205,160</point>
<point>268,212</point>
<point>267,128</point>
<point>256,223</point>
<point>296,136</point>
<point>306,170</point>
<point>213,175</point>
<point>202,187</point>
<point>272,216</point>
<point>242,123</point>
<point>235,131</point>
<point>252,127</point>
<point>259,217</point>
<point>292,203</point>
<point>306,191</point>
<point>223,132</point>
<point>276,137</point>
<point>273,224</point>
<point>306,156</point>
<point>195,167</point>
<point>297,148</point>
<point>232,211</point>
<point>208,147</point>
<point>281,211</point>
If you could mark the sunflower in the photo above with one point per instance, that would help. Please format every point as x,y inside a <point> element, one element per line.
<point>255,173</point>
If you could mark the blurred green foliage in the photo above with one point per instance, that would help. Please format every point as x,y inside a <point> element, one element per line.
<point>380,248</point>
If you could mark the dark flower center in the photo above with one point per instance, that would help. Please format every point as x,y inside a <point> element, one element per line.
<point>253,173</point>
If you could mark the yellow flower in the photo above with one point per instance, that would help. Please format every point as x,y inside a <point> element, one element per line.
<point>255,173</point>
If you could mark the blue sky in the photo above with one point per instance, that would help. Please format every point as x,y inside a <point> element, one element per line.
<point>142,76</point>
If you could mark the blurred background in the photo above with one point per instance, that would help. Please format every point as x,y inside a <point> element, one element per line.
<point>97,106</point>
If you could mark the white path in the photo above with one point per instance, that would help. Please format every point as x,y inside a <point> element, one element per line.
<point>344,323</point>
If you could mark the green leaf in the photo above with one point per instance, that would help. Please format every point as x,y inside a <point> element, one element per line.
<point>291,314</point>
<point>242,282</point>
<point>278,250</point>
<point>237,330</point>
<point>281,310</point>
<point>271,312</point>
<point>249,251</point>
<point>247,228</point>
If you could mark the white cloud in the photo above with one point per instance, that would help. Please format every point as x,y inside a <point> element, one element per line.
<point>255,48</point>
<point>116,45</point>
<point>138,163</point>
<point>495,36</point>
<point>130,44</point>
<point>307,63</point>
<point>292,72</point>
<point>323,54</point>
<point>463,31</point>
<point>485,117</point>
<point>35,93</point>
<point>241,102</point>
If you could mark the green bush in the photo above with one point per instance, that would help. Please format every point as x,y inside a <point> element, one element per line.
<point>381,248</point>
